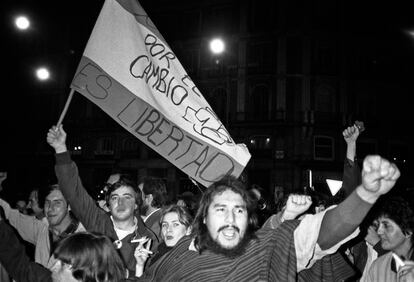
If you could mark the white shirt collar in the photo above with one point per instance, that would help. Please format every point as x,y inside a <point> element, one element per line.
<point>123,233</point>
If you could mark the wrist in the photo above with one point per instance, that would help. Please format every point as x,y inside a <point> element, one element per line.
<point>367,196</point>
<point>139,271</point>
<point>60,149</point>
<point>288,216</point>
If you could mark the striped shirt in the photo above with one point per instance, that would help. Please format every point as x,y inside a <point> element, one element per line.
<point>270,257</point>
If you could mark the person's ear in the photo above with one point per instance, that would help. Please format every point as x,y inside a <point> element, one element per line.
<point>188,231</point>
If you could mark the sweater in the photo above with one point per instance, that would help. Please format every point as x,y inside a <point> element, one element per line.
<point>288,253</point>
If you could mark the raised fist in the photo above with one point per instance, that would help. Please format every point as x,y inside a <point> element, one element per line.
<point>351,134</point>
<point>378,176</point>
<point>296,205</point>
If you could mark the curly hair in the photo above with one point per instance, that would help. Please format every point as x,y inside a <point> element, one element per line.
<point>226,183</point>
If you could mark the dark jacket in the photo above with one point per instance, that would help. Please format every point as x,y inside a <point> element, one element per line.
<point>13,257</point>
<point>94,218</point>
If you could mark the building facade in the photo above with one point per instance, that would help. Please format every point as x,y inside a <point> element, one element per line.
<point>294,75</point>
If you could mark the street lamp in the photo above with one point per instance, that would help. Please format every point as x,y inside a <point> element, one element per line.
<point>217,47</point>
<point>22,22</point>
<point>42,74</point>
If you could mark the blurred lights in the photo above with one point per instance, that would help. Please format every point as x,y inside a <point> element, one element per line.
<point>217,46</point>
<point>409,33</point>
<point>22,22</point>
<point>42,73</point>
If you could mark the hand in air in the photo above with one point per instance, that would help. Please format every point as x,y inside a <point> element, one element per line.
<point>296,205</point>
<point>56,138</point>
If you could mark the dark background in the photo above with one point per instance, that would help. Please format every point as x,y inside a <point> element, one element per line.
<point>60,31</point>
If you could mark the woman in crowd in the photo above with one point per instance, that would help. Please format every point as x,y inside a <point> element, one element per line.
<point>175,223</point>
<point>395,229</point>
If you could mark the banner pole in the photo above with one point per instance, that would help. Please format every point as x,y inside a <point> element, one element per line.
<point>195,184</point>
<point>65,109</point>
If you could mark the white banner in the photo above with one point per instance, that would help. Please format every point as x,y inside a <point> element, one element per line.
<point>130,72</point>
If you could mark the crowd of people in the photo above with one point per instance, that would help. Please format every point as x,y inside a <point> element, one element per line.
<point>233,231</point>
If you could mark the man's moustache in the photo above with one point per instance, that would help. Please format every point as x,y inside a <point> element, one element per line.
<point>229,226</point>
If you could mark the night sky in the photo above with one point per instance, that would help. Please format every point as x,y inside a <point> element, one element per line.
<point>61,29</point>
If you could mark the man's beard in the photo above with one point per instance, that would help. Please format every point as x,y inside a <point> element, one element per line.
<point>233,252</point>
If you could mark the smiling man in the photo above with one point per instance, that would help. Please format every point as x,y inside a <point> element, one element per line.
<point>45,235</point>
<point>122,225</point>
<point>225,247</point>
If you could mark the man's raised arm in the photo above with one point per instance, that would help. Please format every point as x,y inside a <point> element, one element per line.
<point>378,177</point>
<point>82,204</point>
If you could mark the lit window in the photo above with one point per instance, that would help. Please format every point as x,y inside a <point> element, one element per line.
<point>260,142</point>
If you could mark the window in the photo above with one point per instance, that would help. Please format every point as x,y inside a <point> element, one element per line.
<point>105,146</point>
<point>130,146</point>
<point>324,57</point>
<point>324,98</point>
<point>325,14</point>
<point>218,102</point>
<point>189,57</point>
<point>261,57</point>
<point>262,17</point>
<point>219,19</point>
<point>294,55</point>
<point>296,11</point>
<point>260,142</point>
<point>294,88</point>
<point>323,148</point>
<point>258,103</point>
<point>75,145</point>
